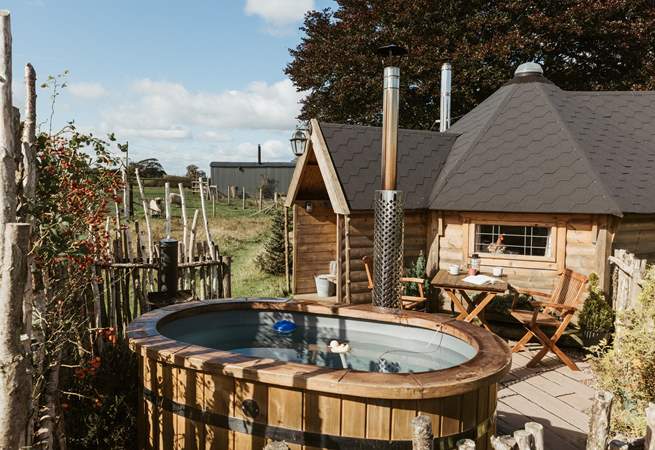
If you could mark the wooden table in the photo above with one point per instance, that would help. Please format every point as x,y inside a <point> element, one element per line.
<point>455,284</point>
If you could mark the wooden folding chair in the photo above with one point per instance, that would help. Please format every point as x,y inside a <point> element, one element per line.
<point>557,312</point>
<point>406,301</point>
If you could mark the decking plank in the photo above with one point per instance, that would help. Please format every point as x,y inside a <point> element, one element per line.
<point>558,432</point>
<point>553,405</point>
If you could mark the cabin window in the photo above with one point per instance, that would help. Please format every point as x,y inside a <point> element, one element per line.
<point>513,240</point>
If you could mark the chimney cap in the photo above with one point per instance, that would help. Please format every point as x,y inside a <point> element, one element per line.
<point>528,68</point>
<point>391,50</point>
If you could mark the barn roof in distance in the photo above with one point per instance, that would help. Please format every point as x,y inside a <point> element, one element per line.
<point>252,164</point>
<point>355,152</point>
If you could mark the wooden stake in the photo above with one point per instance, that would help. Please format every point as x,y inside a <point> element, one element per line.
<point>192,235</point>
<point>523,440</point>
<point>227,277</point>
<point>465,444</point>
<point>184,219</point>
<point>261,199</point>
<point>422,438</point>
<point>146,213</point>
<point>7,132</point>
<point>599,422</point>
<point>649,440</point>
<point>537,432</point>
<point>204,219</point>
<point>503,443</point>
<point>15,383</point>
<point>167,203</point>
<point>244,198</point>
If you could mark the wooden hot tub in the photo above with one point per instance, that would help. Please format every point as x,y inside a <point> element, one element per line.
<point>195,397</point>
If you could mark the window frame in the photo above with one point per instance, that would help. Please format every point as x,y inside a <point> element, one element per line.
<point>556,235</point>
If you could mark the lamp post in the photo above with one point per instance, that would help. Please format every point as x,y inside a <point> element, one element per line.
<point>298,141</point>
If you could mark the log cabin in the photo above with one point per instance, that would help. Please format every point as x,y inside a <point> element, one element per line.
<point>535,179</point>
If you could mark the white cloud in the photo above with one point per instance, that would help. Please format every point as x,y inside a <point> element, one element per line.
<point>155,133</point>
<point>161,105</point>
<point>279,13</point>
<point>87,91</point>
<point>211,135</point>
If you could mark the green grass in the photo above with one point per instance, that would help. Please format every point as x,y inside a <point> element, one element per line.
<point>239,233</point>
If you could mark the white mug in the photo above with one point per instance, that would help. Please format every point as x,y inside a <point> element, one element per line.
<point>453,269</point>
<point>498,271</point>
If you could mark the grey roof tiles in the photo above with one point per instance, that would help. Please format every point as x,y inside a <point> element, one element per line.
<point>529,147</point>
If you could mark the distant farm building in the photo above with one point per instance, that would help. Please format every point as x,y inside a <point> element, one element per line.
<point>270,176</point>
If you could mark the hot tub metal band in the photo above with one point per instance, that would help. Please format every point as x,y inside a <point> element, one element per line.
<point>308,438</point>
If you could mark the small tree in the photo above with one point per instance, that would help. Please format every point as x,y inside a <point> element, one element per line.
<point>271,259</point>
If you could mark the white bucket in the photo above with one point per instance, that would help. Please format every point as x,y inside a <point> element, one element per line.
<point>325,285</point>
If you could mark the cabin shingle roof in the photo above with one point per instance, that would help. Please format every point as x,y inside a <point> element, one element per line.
<point>529,147</point>
<point>356,153</point>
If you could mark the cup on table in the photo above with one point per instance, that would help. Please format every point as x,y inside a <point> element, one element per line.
<point>497,271</point>
<point>453,269</point>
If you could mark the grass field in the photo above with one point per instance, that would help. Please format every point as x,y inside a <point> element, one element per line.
<point>239,233</point>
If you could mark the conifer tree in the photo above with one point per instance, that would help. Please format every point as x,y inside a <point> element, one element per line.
<point>271,259</point>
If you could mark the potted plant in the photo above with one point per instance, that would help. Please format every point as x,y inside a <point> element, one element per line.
<point>596,319</point>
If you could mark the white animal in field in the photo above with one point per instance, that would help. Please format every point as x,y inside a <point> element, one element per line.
<point>176,199</point>
<point>155,207</point>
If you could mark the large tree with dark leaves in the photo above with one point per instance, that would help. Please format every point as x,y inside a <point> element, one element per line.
<point>583,45</point>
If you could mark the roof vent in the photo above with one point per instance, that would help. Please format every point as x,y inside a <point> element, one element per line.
<point>529,68</point>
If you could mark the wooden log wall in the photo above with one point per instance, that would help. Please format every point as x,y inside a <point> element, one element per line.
<point>574,245</point>
<point>315,244</point>
<point>636,234</point>
<point>360,233</point>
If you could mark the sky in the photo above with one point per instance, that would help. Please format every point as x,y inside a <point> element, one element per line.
<point>184,82</point>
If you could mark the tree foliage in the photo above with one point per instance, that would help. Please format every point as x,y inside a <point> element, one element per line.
<point>271,259</point>
<point>194,172</point>
<point>583,45</point>
<point>148,168</point>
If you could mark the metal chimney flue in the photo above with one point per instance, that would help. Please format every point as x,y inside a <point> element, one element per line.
<point>259,154</point>
<point>444,104</point>
<point>389,203</point>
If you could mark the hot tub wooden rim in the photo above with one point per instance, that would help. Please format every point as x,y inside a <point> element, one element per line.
<point>491,363</point>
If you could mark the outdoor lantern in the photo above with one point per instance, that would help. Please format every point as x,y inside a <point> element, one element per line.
<point>298,141</point>
<point>309,207</point>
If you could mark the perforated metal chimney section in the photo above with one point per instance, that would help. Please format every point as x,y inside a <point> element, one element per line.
<point>528,68</point>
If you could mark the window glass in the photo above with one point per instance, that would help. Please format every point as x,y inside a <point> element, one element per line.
<point>512,240</point>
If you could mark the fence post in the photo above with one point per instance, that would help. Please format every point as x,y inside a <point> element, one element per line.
<point>261,198</point>
<point>649,441</point>
<point>227,277</point>
<point>422,438</point>
<point>168,266</point>
<point>244,197</point>
<point>599,422</point>
<point>537,432</point>
<point>503,443</point>
<point>277,446</point>
<point>465,444</point>
<point>523,439</point>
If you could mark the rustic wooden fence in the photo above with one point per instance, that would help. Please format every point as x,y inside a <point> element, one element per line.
<point>627,273</point>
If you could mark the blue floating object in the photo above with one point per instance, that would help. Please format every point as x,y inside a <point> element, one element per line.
<point>284,327</point>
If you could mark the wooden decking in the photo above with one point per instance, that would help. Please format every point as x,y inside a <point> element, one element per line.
<point>550,394</point>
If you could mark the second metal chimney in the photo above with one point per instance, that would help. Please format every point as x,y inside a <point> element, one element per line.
<point>259,154</point>
<point>388,228</point>
<point>444,104</point>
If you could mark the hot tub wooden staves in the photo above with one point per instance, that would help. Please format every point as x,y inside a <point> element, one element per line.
<point>199,398</point>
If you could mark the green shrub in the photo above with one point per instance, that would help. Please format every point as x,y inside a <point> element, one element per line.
<point>100,412</point>
<point>271,259</point>
<point>627,366</point>
<point>596,316</point>
<point>417,270</point>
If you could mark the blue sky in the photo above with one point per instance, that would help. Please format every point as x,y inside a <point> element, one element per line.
<point>185,82</point>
